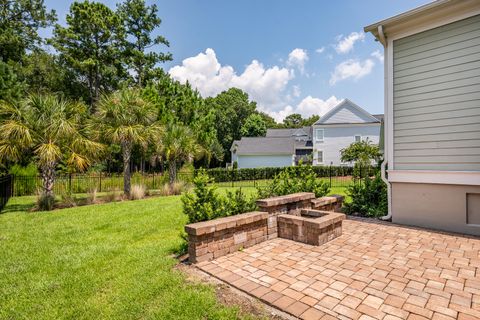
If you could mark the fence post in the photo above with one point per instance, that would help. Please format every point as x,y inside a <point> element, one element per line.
<point>100,182</point>
<point>330,174</point>
<point>70,182</point>
<point>153,182</point>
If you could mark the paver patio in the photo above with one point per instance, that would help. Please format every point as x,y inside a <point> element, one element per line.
<point>375,270</point>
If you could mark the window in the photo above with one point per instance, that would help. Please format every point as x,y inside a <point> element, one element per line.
<point>319,135</point>
<point>358,138</point>
<point>320,156</point>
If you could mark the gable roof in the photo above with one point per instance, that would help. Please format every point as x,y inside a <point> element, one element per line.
<point>290,132</point>
<point>264,145</point>
<point>346,112</point>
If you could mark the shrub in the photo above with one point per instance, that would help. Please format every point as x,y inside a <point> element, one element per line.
<point>92,196</point>
<point>205,204</point>
<point>137,192</point>
<point>368,198</point>
<point>45,202</point>
<point>113,195</point>
<point>177,188</point>
<point>237,202</point>
<point>68,200</point>
<point>295,179</point>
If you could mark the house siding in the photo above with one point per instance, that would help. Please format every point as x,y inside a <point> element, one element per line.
<point>262,161</point>
<point>436,98</point>
<point>348,114</point>
<point>337,138</point>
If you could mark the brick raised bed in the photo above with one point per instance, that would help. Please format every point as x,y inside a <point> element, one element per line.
<point>278,217</point>
<point>312,226</point>
<point>215,238</point>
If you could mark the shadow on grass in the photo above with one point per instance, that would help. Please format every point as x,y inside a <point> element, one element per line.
<point>17,208</point>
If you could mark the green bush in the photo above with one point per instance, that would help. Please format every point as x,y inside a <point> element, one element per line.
<point>368,198</point>
<point>205,204</point>
<point>295,179</point>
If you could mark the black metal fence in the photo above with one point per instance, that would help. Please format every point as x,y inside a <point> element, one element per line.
<point>102,182</point>
<point>6,191</point>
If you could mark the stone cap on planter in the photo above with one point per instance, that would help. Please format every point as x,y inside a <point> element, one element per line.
<point>289,198</point>
<point>211,226</point>
<point>317,220</point>
<point>334,198</point>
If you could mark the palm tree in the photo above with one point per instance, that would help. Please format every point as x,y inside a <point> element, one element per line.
<point>178,145</point>
<point>50,127</point>
<point>125,118</point>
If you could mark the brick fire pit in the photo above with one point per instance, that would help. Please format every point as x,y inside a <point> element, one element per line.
<point>290,216</point>
<point>312,227</point>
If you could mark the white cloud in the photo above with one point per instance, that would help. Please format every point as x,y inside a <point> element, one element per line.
<point>296,91</point>
<point>345,44</point>
<point>351,68</point>
<point>204,72</point>
<point>297,58</point>
<point>320,50</point>
<point>377,54</point>
<point>307,107</point>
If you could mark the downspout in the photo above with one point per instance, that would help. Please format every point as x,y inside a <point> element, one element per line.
<point>383,41</point>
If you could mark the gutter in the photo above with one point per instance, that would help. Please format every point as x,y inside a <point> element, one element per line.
<point>388,216</point>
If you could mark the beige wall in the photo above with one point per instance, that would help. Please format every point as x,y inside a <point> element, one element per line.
<point>454,208</point>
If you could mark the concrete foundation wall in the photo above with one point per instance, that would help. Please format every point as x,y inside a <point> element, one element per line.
<point>454,208</point>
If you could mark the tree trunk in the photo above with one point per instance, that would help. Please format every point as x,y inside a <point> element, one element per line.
<point>172,172</point>
<point>48,179</point>
<point>126,153</point>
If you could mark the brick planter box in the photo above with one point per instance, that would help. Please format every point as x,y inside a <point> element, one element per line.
<point>331,203</point>
<point>313,227</point>
<point>289,204</point>
<point>215,238</point>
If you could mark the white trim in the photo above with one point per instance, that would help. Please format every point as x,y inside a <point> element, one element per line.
<point>323,135</point>
<point>437,177</point>
<point>346,125</point>
<point>340,106</point>
<point>435,24</point>
<point>323,156</point>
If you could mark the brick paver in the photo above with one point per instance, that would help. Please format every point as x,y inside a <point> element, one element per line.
<point>375,270</point>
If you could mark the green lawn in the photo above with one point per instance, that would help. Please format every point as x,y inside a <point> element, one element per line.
<point>110,260</point>
<point>103,261</point>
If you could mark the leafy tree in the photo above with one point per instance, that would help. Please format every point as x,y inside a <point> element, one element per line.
<point>294,120</point>
<point>19,24</point>
<point>179,103</point>
<point>126,118</point>
<point>139,21</point>
<point>43,71</point>
<point>254,126</point>
<point>362,152</point>
<point>310,120</point>
<point>269,121</point>
<point>232,108</point>
<point>89,44</point>
<point>178,145</point>
<point>51,128</point>
<point>10,87</point>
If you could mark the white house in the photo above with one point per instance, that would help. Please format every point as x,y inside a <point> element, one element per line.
<point>340,127</point>
<point>432,114</point>
<point>322,142</point>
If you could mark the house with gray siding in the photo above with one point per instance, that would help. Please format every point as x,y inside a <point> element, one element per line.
<point>343,125</point>
<point>319,144</point>
<point>432,115</point>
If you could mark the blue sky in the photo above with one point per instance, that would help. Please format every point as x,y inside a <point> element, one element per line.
<point>301,56</point>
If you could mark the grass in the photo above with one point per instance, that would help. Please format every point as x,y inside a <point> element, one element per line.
<point>103,261</point>
<point>111,260</point>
